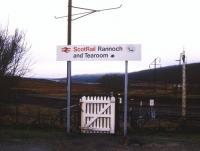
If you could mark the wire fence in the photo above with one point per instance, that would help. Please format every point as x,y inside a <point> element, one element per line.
<point>165,113</point>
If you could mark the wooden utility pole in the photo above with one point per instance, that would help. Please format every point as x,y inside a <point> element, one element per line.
<point>183,85</point>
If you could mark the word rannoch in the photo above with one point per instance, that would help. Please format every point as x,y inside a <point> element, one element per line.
<point>100,48</point>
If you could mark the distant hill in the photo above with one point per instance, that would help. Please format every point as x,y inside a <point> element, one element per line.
<point>142,81</point>
<point>170,74</point>
<point>87,78</point>
<point>83,78</point>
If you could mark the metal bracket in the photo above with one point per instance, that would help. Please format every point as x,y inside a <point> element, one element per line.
<point>87,12</point>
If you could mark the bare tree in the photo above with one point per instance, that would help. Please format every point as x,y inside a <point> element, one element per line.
<point>13,62</point>
<point>12,53</point>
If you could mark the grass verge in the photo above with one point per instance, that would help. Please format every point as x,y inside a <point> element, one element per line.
<point>7,132</point>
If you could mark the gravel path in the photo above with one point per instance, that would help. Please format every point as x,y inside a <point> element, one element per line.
<point>97,143</point>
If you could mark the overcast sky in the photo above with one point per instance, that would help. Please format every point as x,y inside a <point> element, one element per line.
<point>162,27</point>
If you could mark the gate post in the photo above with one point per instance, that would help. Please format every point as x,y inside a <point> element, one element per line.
<point>83,108</point>
<point>112,126</point>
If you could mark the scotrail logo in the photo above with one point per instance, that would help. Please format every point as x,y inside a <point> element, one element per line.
<point>66,49</point>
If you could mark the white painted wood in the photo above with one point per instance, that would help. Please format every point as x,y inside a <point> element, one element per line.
<point>83,112</point>
<point>98,114</point>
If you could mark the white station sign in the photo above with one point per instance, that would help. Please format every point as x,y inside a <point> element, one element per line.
<point>99,52</point>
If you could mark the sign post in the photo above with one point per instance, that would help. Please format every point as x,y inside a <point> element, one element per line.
<point>69,65</point>
<point>125,97</point>
<point>117,52</point>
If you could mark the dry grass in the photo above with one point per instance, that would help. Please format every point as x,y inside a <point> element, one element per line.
<point>55,89</point>
<point>30,115</point>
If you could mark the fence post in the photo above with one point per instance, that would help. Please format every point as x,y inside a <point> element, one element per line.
<point>38,118</point>
<point>16,114</point>
<point>152,111</point>
<point>61,118</point>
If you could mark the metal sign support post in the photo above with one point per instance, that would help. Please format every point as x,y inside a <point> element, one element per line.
<point>183,86</point>
<point>69,65</point>
<point>125,97</point>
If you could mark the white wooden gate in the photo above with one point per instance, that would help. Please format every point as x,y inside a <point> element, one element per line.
<point>98,114</point>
